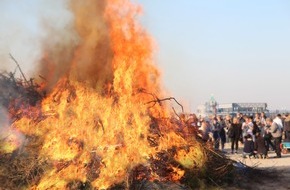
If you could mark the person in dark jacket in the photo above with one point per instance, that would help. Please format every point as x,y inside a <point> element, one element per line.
<point>216,128</point>
<point>222,132</point>
<point>287,129</point>
<point>268,138</point>
<point>234,133</point>
<point>240,118</point>
<point>228,123</point>
<point>260,146</point>
<point>248,146</point>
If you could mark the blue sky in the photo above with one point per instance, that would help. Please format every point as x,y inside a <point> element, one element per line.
<point>236,50</point>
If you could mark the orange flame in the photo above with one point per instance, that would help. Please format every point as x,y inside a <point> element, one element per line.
<point>95,122</point>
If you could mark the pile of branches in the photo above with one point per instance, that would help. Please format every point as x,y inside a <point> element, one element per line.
<point>18,94</point>
<point>12,88</point>
<point>25,169</point>
<point>217,170</point>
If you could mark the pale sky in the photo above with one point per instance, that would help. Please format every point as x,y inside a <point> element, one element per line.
<point>238,50</point>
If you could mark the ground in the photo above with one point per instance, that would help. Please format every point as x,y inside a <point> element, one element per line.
<point>279,167</point>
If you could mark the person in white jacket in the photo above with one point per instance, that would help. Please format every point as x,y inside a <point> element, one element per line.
<point>278,121</point>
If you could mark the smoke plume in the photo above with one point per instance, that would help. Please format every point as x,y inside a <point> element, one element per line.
<point>26,27</point>
<point>72,39</point>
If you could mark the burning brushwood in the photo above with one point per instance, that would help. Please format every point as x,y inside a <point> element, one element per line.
<point>95,128</point>
<point>16,94</point>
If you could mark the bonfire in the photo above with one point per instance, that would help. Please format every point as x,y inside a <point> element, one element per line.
<point>99,118</point>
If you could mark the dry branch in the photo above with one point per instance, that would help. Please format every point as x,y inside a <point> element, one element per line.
<point>18,67</point>
<point>158,100</point>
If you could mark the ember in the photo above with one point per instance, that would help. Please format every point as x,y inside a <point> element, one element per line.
<point>96,128</point>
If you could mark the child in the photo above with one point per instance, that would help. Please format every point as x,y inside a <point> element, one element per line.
<point>248,146</point>
<point>260,146</point>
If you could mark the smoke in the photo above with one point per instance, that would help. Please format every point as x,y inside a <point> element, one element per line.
<point>4,121</point>
<point>93,57</point>
<point>31,30</point>
<point>71,38</point>
<point>86,54</point>
<point>10,139</point>
<point>56,38</point>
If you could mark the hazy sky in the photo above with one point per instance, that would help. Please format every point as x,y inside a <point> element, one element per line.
<point>238,50</point>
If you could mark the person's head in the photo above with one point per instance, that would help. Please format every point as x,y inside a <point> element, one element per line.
<point>207,123</point>
<point>246,118</point>
<point>279,115</point>
<point>250,119</point>
<point>257,115</point>
<point>228,117</point>
<point>220,118</point>
<point>235,120</point>
<point>248,136</point>
<point>269,121</point>
<point>203,124</point>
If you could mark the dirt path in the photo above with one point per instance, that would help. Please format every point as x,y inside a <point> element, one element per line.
<point>280,168</point>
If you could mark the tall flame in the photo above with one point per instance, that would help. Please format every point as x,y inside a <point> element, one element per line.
<point>94,124</point>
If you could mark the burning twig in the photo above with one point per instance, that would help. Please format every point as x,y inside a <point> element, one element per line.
<point>42,78</point>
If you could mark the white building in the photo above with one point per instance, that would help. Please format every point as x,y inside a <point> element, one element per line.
<point>210,108</point>
<point>245,108</point>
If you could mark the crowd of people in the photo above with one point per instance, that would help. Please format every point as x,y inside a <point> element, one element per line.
<point>258,133</point>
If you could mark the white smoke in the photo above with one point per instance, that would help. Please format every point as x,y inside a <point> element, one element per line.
<point>10,139</point>
<point>24,27</point>
<point>4,121</point>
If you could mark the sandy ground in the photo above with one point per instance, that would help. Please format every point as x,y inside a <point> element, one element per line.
<point>279,166</point>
